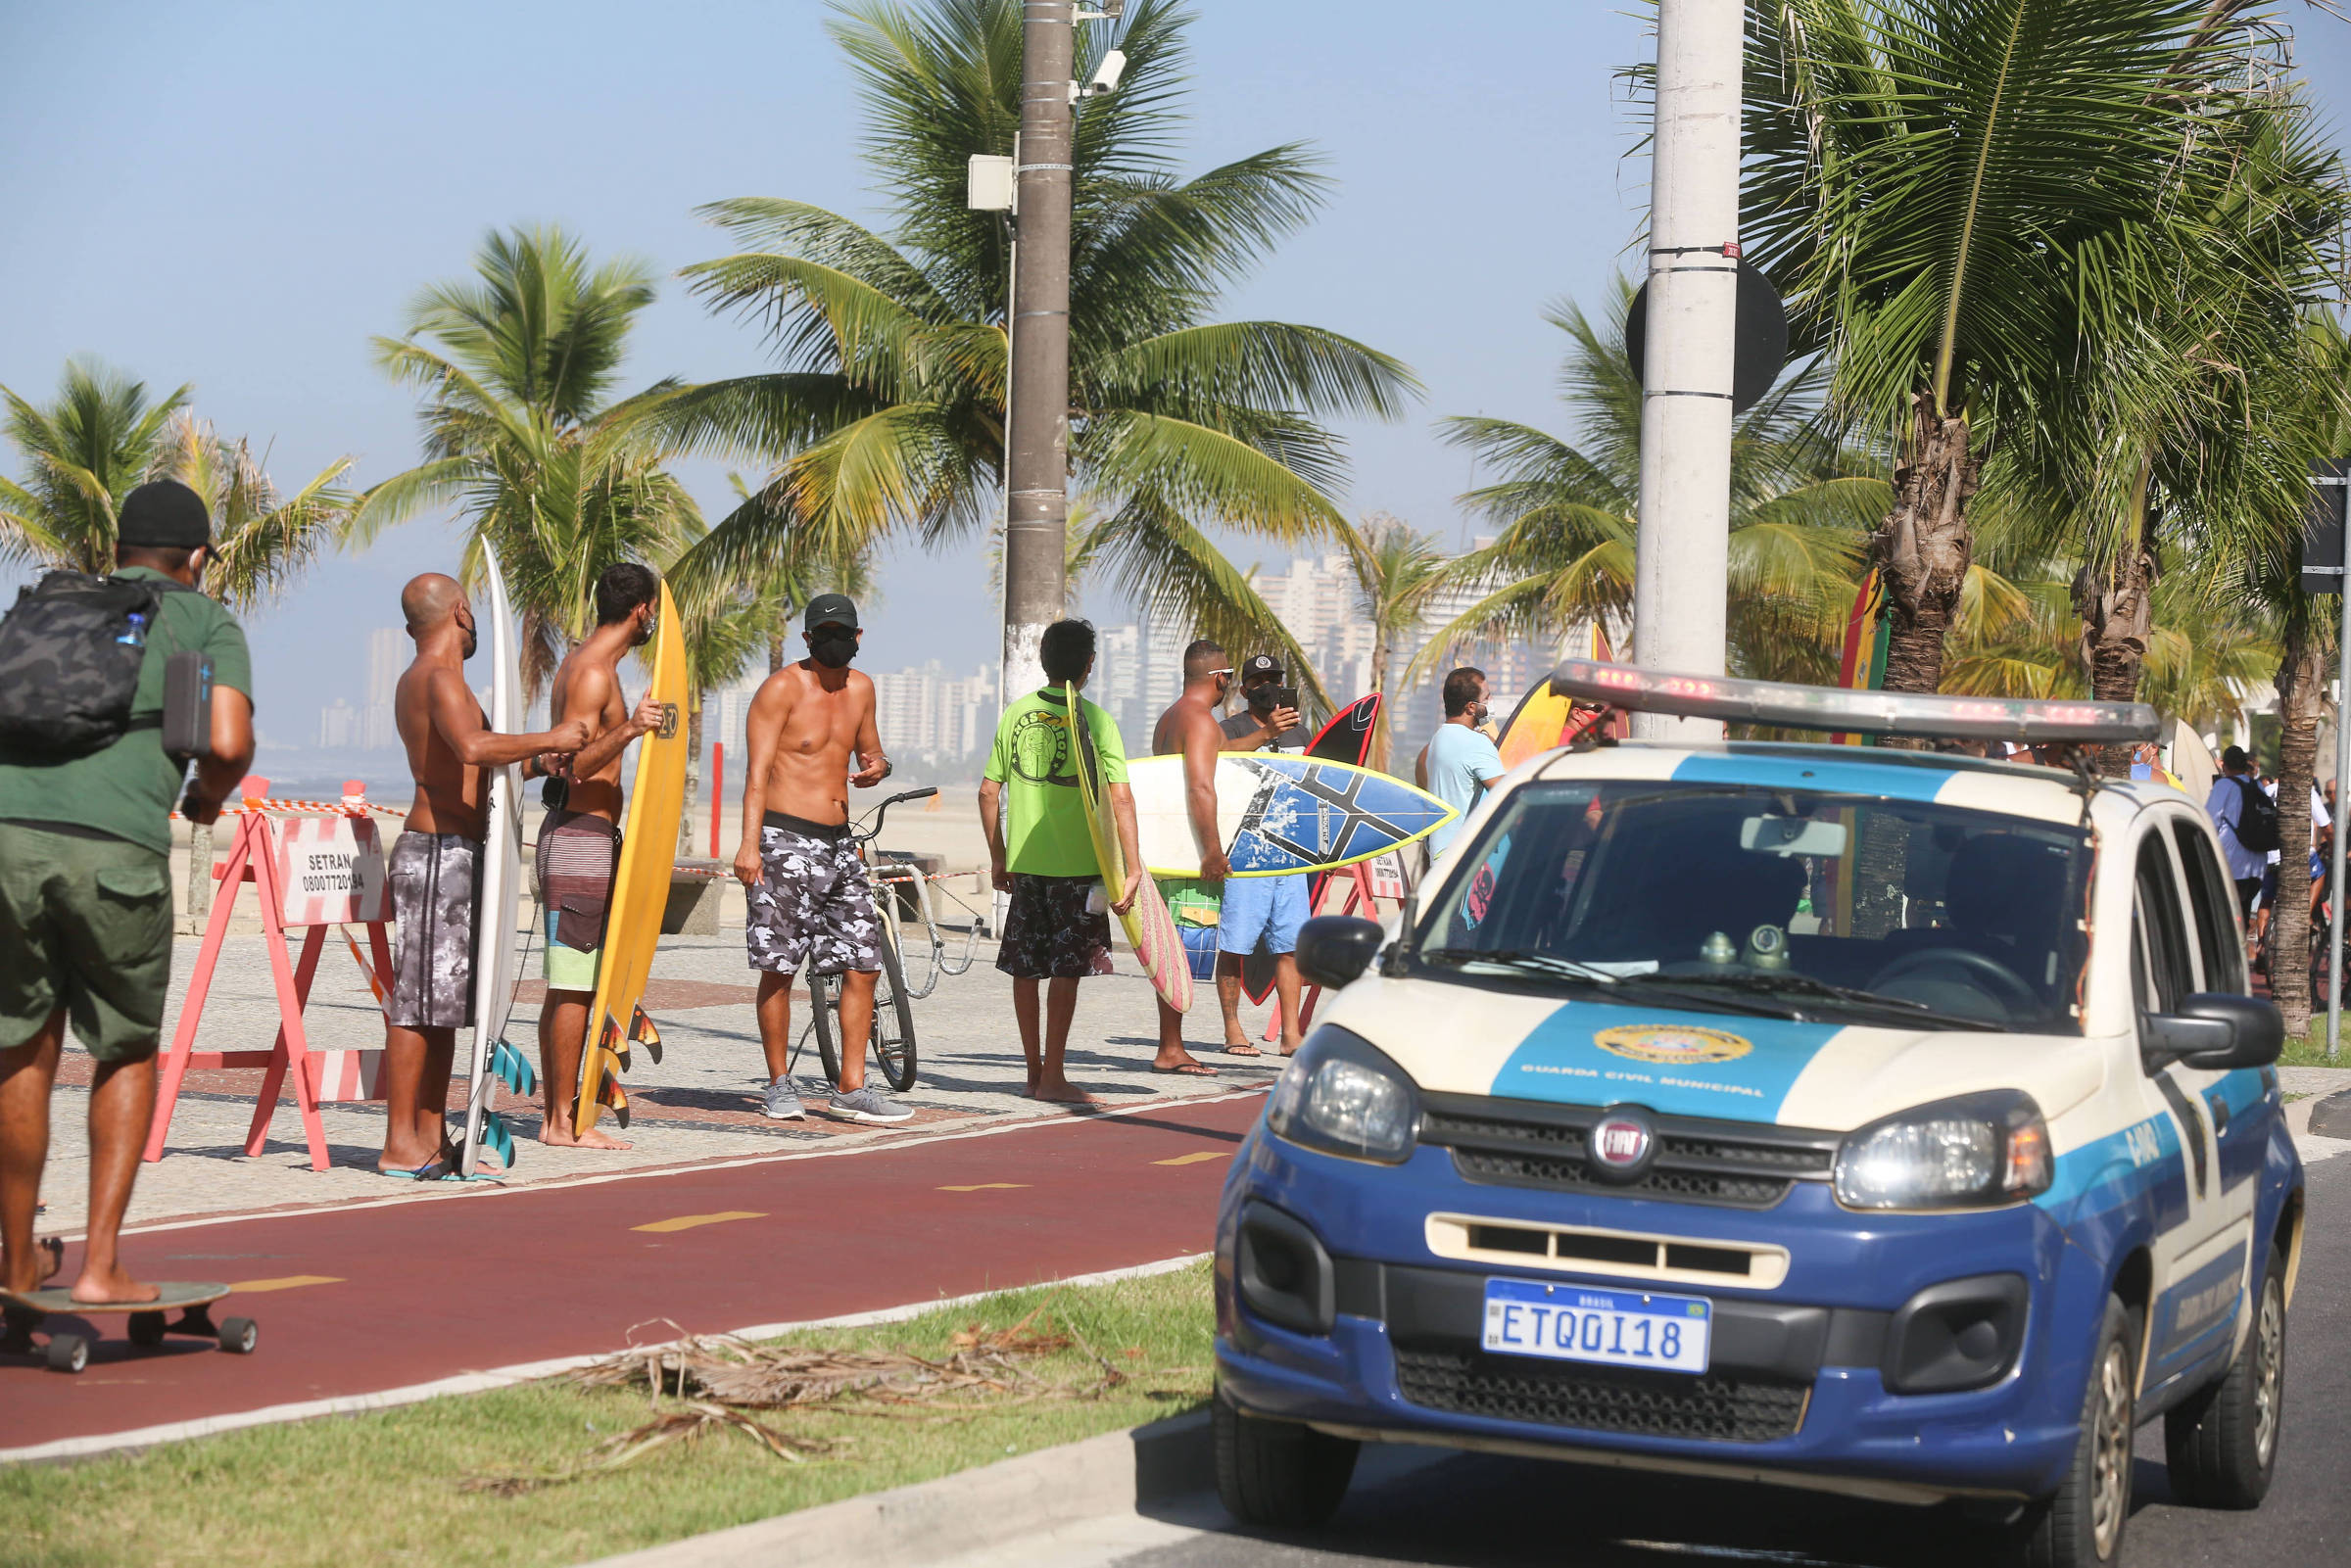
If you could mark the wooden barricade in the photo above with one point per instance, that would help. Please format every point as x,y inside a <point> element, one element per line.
<point>1354,889</point>
<point>311,873</point>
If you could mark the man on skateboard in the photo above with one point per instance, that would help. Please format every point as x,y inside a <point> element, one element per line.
<point>1040,850</point>
<point>809,904</point>
<point>1261,911</point>
<point>579,839</point>
<point>1189,728</point>
<point>435,862</point>
<point>85,881</point>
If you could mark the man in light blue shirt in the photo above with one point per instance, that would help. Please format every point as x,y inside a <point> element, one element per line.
<point>1461,763</point>
<point>2227,808</point>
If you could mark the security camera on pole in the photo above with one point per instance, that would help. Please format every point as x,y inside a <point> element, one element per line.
<point>1681,575</point>
<point>1037,426</point>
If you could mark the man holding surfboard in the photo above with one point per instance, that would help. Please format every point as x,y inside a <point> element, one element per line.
<point>1041,851</point>
<point>811,906</point>
<point>1261,913</point>
<point>434,869</point>
<point>579,839</point>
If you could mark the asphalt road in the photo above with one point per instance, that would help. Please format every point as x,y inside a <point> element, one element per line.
<point>1492,1512</point>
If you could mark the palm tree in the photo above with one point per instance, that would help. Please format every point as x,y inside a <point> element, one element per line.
<point>516,366</point>
<point>1564,555</point>
<point>96,443</point>
<point>1399,571</point>
<point>887,412</point>
<point>1964,200</point>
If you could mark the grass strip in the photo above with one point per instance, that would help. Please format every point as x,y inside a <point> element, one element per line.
<point>435,1482</point>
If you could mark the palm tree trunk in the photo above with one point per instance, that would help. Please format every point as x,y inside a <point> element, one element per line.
<point>1381,734</point>
<point>1923,547</point>
<point>2117,607</point>
<point>775,649</point>
<point>693,775</point>
<point>200,874</point>
<point>2301,689</point>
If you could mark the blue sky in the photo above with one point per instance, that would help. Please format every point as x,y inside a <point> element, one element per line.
<point>239,194</point>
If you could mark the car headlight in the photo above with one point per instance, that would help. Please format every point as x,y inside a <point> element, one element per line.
<point>1341,1095</point>
<point>1977,1151</point>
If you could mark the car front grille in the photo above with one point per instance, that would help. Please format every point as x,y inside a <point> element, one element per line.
<point>1714,1408</point>
<point>1523,1144</point>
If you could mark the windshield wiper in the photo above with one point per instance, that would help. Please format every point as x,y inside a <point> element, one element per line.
<point>1518,959</point>
<point>1789,982</point>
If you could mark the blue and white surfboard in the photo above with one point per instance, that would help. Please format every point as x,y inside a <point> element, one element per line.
<point>1276,815</point>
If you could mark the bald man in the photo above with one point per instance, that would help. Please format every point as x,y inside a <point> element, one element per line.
<point>451,750</point>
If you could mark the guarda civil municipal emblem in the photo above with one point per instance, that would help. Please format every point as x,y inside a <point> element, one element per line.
<point>1673,1045</point>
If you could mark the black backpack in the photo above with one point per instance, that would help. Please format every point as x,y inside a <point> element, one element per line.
<point>71,651</point>
<point>2257,819</point>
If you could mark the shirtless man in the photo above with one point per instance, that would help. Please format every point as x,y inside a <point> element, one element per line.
<point>579,839</point>
<point>434,867</point>
<point>810,905</point>
<point>1190,729</point>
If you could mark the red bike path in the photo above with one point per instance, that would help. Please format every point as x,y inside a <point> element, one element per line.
<point>363,1300</point>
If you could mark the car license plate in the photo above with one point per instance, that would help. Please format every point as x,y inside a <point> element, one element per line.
<point>1616,1328</point>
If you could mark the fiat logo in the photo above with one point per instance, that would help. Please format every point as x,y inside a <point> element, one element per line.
<point>1622,1142</point>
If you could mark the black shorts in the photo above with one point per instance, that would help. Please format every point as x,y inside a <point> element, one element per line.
<point>2248,888</point>
<point>1048,935</point>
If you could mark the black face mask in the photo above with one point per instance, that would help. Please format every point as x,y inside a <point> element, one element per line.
<point>832,649</point>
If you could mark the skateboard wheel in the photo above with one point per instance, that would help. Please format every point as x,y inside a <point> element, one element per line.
<point>239,1335</point>
<point>68,1353</point>
<point>146,1328</point>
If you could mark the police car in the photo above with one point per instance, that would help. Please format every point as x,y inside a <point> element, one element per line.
<point>1872,1120</point>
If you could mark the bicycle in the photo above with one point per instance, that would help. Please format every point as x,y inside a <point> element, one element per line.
<point>891,1038</point>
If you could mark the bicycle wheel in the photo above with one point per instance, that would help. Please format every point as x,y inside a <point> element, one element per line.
<point>824,1003</point>
<point>893,1022</point>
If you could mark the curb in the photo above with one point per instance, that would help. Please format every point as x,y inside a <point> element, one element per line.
<point>1010,1501</point>
<point>2330,1117</point>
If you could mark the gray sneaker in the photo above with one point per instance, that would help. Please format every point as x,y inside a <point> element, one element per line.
<point>870,1105</point>
<point>781,1102</point>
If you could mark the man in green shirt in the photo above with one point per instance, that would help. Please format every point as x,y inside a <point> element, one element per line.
<point>86,898</point>
<point>1041,851</point>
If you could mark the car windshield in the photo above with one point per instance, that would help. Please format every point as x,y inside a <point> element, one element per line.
<point>1789,902</point>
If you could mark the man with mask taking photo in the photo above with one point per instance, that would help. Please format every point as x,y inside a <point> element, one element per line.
<point>810,905</point>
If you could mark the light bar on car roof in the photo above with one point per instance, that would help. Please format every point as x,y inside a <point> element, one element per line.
<point>1833,708</point>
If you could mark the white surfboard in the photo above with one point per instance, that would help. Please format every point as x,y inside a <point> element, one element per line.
<point>500,879</point>
<point>1276,815</point>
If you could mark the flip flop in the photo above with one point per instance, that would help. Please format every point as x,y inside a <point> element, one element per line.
<point>433,1169</point>
<point>1243,1049</point>
<point>1188,1070</point>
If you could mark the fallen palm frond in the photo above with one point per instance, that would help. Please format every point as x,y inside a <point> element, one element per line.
<point>686,1425</point>
<point>979,1365</point>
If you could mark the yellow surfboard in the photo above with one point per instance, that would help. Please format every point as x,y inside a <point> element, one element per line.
<point>648,851</point>
<point>1150,928</point>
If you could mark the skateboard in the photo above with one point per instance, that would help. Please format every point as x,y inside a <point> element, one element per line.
<point>150,1322</point>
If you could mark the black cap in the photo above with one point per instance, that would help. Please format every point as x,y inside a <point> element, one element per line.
<point>164,514</point>
<point>833,609</point>
<point>1260,667</point>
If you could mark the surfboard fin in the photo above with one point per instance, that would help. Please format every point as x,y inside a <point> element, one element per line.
<point>641,1031</point>
<point>614,1098</point>
<point>497,1139</point>
<point>513,1068</point>
<point>613,1044</point>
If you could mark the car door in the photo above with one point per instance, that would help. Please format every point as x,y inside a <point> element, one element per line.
<point>2243,1105</point>
<point>2201,1246</point>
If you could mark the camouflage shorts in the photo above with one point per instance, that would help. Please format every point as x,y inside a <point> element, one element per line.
<point>813,908</point>
<point>433,880</point>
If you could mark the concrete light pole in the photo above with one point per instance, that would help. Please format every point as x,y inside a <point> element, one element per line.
<point>1681,576</point>
<point>1037,513</point>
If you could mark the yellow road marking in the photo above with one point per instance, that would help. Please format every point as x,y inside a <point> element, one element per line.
<point>255,1287</point>
<point>1193,1160</point>
<point>690,1222</point>
<point>989,1186</point>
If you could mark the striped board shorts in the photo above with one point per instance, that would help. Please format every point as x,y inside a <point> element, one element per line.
<point>577,857</point>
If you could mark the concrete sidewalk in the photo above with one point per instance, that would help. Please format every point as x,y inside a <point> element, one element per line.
<point>699,1103</point>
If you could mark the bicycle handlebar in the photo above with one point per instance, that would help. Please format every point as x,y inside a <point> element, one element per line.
<point>868,836</point>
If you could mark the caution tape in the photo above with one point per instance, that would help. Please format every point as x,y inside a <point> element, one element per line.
<point>346,807</point>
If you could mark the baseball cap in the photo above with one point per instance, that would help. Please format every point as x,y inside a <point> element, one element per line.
<point>164,514</point>
<point>1260,667</point>
<point>834,609</point>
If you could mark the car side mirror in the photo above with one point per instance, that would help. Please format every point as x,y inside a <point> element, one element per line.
<point>2213,1030</point>
<point>1334,949</point>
